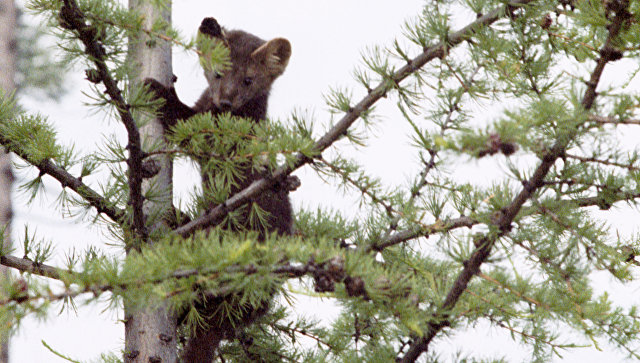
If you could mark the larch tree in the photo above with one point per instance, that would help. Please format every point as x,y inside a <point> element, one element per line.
<point>416,262</point>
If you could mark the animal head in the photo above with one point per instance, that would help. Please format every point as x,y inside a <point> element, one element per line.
<point>255,64</point>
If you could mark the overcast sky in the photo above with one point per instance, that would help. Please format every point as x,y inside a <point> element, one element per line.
<point>327,37</point>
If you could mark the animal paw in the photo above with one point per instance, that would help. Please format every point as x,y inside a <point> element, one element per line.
<point>159,90</point>
<point>173,109</point>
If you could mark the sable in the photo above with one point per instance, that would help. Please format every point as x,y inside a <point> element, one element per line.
<point>243,90</point>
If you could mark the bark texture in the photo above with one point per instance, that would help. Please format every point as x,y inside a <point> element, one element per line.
<point>150,332</point>
<point>8,46</point>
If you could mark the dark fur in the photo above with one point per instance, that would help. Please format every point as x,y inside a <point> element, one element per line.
<point>243,91</point>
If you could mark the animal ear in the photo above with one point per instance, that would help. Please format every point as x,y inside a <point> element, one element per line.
<point>209,33</point>
<point>275,54</point>
<point>210,27</point>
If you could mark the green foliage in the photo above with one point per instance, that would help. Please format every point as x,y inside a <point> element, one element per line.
<point>401,268</point>
<point>32,136</point>
<point>227,147</point>
<point>214,55</point>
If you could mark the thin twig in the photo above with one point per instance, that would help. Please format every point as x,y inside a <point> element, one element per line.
<point>603,162</point>
<point>566,38</point>
<point>466,221</point>
<point>527,336</point>
<point>503,325</point>
<point>614,120</point>
<point>428,167</point>
<point>365,190</point>
<point>516,293</point>
<point>306,334</point>
<point>149,32</point>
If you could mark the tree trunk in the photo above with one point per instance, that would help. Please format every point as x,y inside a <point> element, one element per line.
<point>7,73</point>
<point>150,333</point>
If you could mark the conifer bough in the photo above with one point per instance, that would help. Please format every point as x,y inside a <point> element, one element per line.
<point>503,223</point>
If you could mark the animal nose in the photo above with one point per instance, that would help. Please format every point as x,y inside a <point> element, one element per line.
<point>225,105</point>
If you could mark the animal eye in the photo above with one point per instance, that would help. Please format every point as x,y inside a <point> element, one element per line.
<point>248,81</point>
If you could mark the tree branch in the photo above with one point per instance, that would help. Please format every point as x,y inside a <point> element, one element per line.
<point>439,50</point>
<point>26,265</point>
<point>503,223</point>
<point>284,270</point>
<point>72,18</point>
<point>585,159</point>
<point>614,120</point>
<point>46,166</point>
<point>466,221</point>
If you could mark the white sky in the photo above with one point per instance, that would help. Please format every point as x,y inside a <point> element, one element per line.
<point>327,37</point>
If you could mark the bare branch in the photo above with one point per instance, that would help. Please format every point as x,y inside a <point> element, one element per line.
<point>26,265</point>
